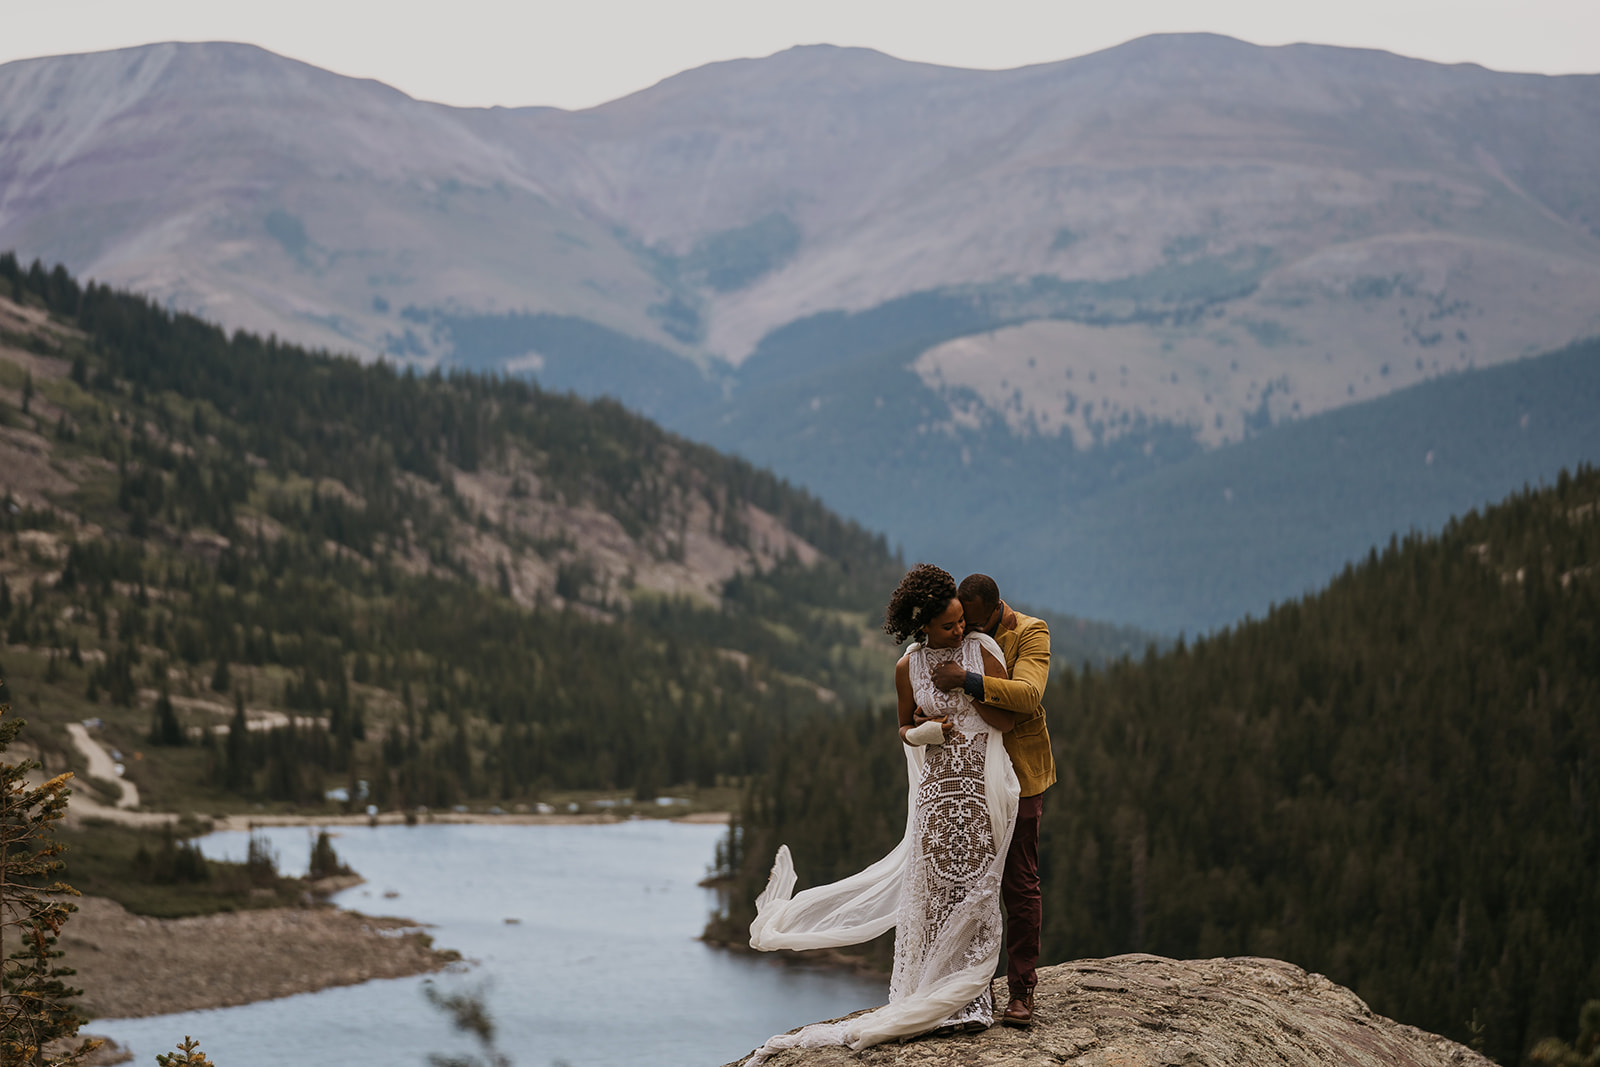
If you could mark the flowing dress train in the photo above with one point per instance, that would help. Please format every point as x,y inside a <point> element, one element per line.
<point>939,889</point>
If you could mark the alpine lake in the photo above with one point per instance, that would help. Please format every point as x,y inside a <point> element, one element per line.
<point>582,941</point>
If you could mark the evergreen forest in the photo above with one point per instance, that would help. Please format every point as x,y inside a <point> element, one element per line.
<point>273,572</point>
<point>1394,782</point>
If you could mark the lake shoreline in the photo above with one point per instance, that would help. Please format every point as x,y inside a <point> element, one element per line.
<point>132,966</point>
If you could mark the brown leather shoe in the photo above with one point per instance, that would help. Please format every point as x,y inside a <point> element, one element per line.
<point>1020,1011</point>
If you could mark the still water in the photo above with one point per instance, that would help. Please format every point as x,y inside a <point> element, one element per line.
<point>601,969</point>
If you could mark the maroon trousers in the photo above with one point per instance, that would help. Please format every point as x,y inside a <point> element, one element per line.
<point>1019,890</point>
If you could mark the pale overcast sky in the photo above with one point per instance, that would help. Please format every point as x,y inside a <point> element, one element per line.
<point>577,53</point>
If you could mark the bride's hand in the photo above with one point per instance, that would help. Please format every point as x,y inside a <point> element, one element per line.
<point>918,718</point>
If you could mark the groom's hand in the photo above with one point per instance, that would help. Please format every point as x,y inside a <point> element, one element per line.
<point>948,676</point>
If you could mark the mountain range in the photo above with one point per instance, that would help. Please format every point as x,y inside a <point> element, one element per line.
<point>1009,317</point>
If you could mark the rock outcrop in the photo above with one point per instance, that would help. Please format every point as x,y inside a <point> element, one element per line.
<point>1148,1011</point>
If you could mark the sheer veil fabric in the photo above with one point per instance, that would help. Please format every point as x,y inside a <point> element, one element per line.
<point>939,888</point>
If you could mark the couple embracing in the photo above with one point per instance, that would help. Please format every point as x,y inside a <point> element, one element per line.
<point>978,761</point>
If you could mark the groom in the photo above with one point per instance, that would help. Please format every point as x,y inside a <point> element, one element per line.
<point>1026,644</point>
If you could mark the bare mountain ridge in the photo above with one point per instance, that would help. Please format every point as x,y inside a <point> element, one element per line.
<point>270,194</point>
<point>839,264</point>
<point>904,177</point>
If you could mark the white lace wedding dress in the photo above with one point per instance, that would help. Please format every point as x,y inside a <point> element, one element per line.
<point>939,889</point>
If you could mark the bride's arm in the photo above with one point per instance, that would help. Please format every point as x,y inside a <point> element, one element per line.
<point>999,718</point>
<point>906,703</point>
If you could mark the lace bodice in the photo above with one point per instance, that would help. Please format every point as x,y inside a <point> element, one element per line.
<point>955,705</point>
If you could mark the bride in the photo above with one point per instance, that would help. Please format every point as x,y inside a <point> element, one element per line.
<point>940,888</point>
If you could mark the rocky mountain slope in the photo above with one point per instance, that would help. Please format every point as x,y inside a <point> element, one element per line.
<point>847,266</point>
<point>1146,1011</point>
<point>1129,188</point>
<point>513,527</point>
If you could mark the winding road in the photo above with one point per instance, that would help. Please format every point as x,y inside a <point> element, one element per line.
<point>102,766</point>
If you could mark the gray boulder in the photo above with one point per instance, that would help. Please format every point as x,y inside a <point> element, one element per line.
<point>1148,1011</point>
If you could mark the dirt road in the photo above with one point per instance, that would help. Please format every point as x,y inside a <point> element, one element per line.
<point>102,766</point>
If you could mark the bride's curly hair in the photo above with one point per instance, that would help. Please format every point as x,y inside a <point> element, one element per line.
<point>922,594</point>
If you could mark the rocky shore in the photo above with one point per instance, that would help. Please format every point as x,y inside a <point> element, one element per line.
<point>129,965</point>
<point>1147,1011</point>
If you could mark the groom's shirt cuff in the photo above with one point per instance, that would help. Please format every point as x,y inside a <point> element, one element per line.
<point>974,686</point>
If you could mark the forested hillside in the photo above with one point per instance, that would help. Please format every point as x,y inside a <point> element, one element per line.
<point>1395,782</point>
<point>272,572</point>
<point>458,589</point>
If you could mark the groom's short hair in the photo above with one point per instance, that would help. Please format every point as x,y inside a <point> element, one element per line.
<point>979,587</point>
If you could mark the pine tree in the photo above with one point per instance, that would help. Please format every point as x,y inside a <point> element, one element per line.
<point>324,862</point>
<point>191,1055</point>
<point>35,1001</point>
<point>236,771</point>
<point>164,726</point>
